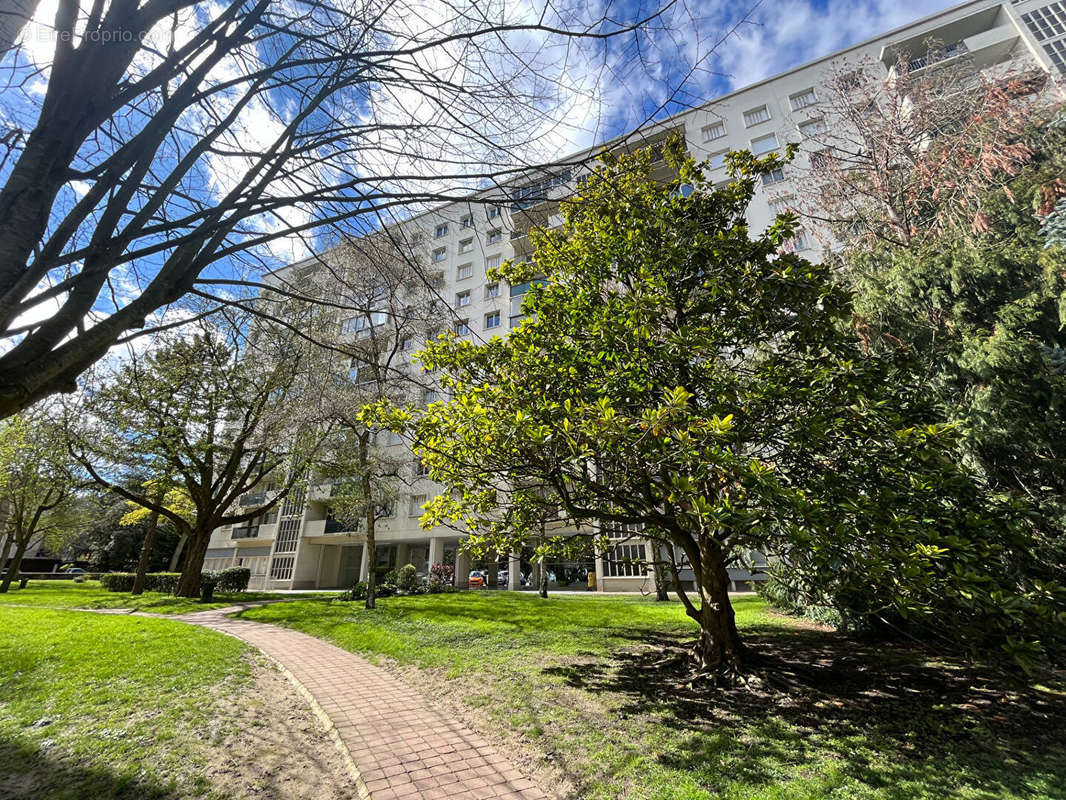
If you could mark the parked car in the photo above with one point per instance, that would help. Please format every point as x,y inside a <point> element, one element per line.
<point>75,571</point>
<point>477,578</point>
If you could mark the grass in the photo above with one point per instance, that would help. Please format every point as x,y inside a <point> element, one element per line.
<point>95,706</point>
<point>580,682</point>
<point>90,594</point>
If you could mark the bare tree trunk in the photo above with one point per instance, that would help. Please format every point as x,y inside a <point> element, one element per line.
<point>16,562</point>
<point>542,583</point>
<point>189,582</point>
<point>146,554</point>
<point>662,595</point>
<point>174,559</point>
<point>371,520</point>
<point>493,579</point>
<point>8,540</point>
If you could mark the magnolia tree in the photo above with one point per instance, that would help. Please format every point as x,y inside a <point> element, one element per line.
<point>154,149</point>
<point>676,373</point>
<point>214,413</point>
<point>905,156</point>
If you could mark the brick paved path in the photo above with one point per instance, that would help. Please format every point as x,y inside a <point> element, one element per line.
<point>400,747</point>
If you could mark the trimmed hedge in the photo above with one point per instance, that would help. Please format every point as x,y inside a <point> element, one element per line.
<point>234,579</point>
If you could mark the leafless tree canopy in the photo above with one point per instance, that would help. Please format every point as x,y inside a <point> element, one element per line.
<point>902,157</point>
<point>161,145</point>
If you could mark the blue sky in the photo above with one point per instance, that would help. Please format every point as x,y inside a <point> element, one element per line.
<point>776,36</point>
<point>603,89</point>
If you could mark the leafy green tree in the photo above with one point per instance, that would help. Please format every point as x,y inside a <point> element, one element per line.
<point>219,417</point>
<point>39,487</point>
<point>678,373</point>
<point>176,499</point>
<point>985,315</point>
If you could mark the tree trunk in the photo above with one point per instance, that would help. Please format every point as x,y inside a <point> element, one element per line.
<point>189,582</point>
<point>146,553</point>
<point>542,583</point>
<point>662,595</point>
<point>174,559</point>
<point>4,553</point>
<point>16,562</point>
<point>371,520</point>
<point>719,649</point>
<point>493,578</point>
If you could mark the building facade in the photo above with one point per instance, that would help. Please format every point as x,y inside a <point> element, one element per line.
<point>298,545</point>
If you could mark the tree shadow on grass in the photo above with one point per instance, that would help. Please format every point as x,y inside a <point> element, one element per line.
<point>901,720</point>
<point>28,770</point>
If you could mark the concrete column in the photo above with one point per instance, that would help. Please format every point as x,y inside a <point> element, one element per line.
<point>401,554</point>
<point>462,568</point>
<point>436,551</point>
<point>514,570</point>
<point>364,565</point>
<point>599,573</point>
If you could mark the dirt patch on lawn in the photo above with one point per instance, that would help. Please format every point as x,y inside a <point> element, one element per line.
<point>267,743</point>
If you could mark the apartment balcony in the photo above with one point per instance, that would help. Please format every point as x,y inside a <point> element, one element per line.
<point>245,532</point>
<point>252,499</point>
<point>985,37</point>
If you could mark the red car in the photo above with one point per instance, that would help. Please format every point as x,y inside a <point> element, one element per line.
<point>477,579</point>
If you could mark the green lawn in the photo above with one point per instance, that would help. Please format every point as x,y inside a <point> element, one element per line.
<point>67,594</point>
<point>95,706</point>
<point>581,681</point>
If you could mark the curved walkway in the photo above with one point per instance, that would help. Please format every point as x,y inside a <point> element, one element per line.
<point>400,747</point>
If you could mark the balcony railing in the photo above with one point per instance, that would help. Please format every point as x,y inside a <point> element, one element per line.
<point>935,56</point>
<point>333,526</point>
<point>246,532</point>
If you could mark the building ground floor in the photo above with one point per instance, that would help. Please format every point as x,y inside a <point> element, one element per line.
<point>339,560</point>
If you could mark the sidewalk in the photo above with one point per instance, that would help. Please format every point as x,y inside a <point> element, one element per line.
<point>400,747</point>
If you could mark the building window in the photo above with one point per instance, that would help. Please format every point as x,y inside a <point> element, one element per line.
<point>802,99</point>
<point>797,243</point>
<point>421,469</point>
<point>495,236</point>
<point>349,325</point>
<point>620,561</point>
<point>516,310</point>
<point>492,262</point>
<point>494,212</point>
<point>492,319</point>
<point>462,327</point>
<point>441,230</point>
<point>716,130</point>
<point>417,501</point>
<point>781,205</point>
<point>821,159</point>
<point>756,115</point>
<point>288,532</point>
<point>1047,22</point>
<point>466,221</point>
<point>465,271</point>
<point>717,160</point>
<point>764,144</point>
<point>463,298</point>
<point>772,177</point>
<point>1057,53</point>
<point>466,245</point>
<point>492,290</point>
<point>406,343</point>
<point>281,568</point>
<point>812,127</point>
<point>439,254</point>
<point>429,396</point>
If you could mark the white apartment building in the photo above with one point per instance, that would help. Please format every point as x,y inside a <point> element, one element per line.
<point>298,545</point>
